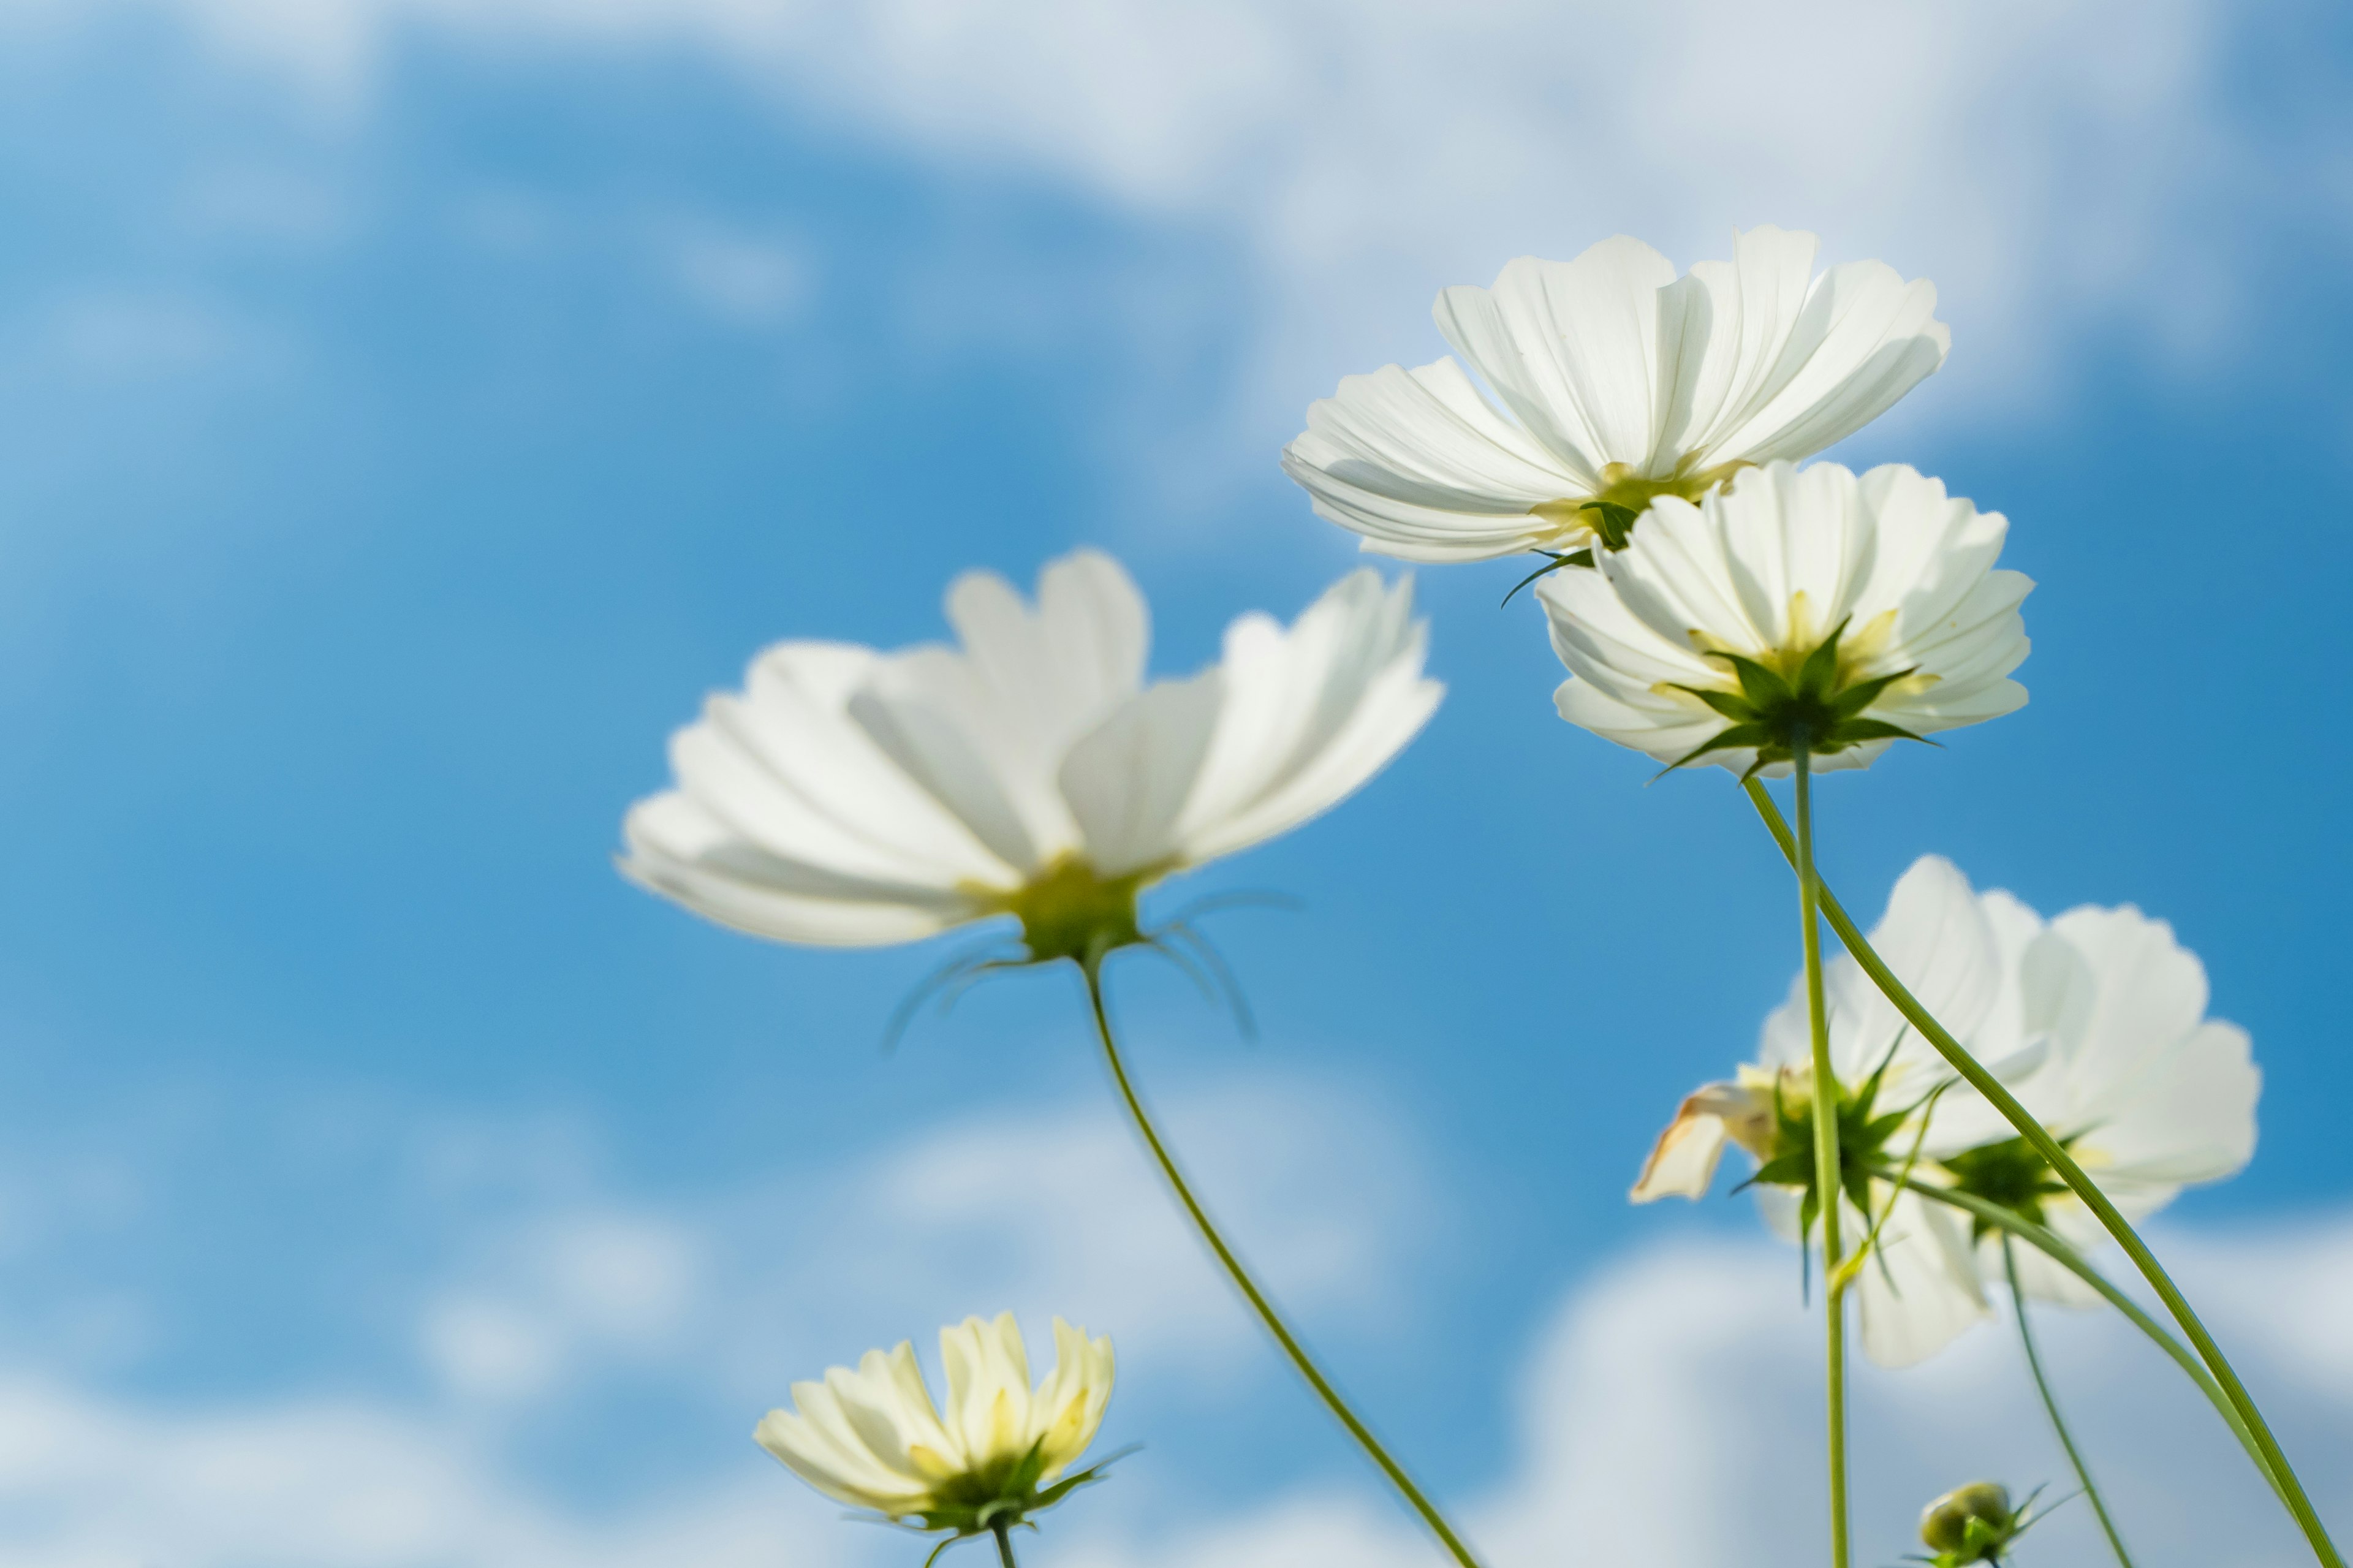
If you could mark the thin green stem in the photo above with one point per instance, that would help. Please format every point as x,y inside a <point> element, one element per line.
<point>2290,1490</point>
<point>1004,1534</point>
<point>2051,1406</point>
<point>1826,1158</point>
<point>1257,1297</point>
<point>2055,1247</point>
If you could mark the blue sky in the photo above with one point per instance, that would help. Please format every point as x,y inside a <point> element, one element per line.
<point>410,412</point>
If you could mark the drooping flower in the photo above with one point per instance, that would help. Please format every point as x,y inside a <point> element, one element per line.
<point>1619,383</point>
<point>1795,606</point>
<point>2096,1021</point>
<point>1001,1451</point>
<point>849,797</point>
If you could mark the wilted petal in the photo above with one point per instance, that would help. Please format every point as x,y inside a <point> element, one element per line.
<point>1682,1163</point>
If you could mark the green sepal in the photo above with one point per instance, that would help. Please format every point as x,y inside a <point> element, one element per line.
<point>1820,672</point>
<point>1863,693</point>
<point>1739,735</point>
<point>1853,732</point>
<point>1733,708</point>
<point>1613,522</point>
<point>1762,686</point>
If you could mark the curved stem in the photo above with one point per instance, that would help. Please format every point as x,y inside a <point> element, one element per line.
<point>1004,1534</point>
<point>2051,1406</point>
<point>1253,1295</point>
<point>2052,1247</point>
<point>2290,1490</point>
<point>1826,1157</point>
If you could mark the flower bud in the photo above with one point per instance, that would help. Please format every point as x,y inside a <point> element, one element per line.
<point>1970,1524</point>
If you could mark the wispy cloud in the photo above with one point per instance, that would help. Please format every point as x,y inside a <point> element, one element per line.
<point>1665,1416</point>
<point>2054,166</point>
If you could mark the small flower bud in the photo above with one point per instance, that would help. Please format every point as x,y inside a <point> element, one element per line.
<point>1970,1524</point>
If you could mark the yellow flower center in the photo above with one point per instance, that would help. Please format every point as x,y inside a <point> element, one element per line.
<point>1069,910</point>
<point>1585,520</point>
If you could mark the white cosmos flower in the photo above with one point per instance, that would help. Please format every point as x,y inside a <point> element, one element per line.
<point>1796,603</point>
<point>2147,1093</point>
<point>2096,1021</point>
<point>872,1438</point>
<point>1619,383</point>
<point>850,797</point>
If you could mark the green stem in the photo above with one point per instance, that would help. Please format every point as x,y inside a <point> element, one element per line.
<point>1253,1295</point>
<point>2051,1406</point>
<point>2290,1490</point>
<point>1004,1534</point>
<point>1826,1157</point>
<point>2055,1247</point>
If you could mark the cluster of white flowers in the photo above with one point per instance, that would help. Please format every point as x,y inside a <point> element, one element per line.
<point>1713,602</point>
<point>2097,1020</point>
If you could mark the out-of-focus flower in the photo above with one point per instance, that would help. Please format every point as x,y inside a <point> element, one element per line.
<point>1619,384</point>
<point>2146,1092</point>
<point>1973,1524</point>
<point>2096,1021</point>
<point>1796,606</point>
<point>849,797</point>
<point>999,1452</point>
<point>1922,1287</point>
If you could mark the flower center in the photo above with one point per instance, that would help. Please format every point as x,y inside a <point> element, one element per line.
<point>1865,1133</point>
<point>1607,515</point>
<point>1808,695</point>
<point>2012,1173</point>
<point>1068,911</point>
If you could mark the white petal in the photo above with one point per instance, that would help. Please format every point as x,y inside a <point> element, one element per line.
<point>1308,714</point>
<point>677,849</point>
<point>2187,1117</point>
<point>1419,463</point>
<point>785,768</point>
<point>1683,1162</point>
<point>1863,339</point>
<point>985,729</point>
<point>1920,1290</point>
<point>1128,779</point>
<point>1736,321</point>
<point>1937,940</point>
<point>1573,348</point>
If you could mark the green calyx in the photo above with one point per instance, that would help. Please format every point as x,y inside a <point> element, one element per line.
<point>1973,1524</point>
<point>2012,1173</point>
<point>1863,1134</point>
<point>1069,912</point>
<point>1817,706</point>
<point>998,1497</point>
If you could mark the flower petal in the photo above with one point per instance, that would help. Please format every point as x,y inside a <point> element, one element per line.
<point>1573,348</point>
<point>1419,463</point>
<point>1309,713</point>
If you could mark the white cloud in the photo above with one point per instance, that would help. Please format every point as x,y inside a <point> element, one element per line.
<point>742,280</point>
<point>1054,1212</point>
<point>1668,1417</point>
<point>2053,164</point>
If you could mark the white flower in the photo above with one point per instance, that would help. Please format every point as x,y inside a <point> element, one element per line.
<point>1623,382</point>
<point>1923,1289</point>
<point>850,797</point>
<point>2147,1093</point>
<point>2096,1021</point>
<point>871,1438</point>
<point>1796,604</point>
